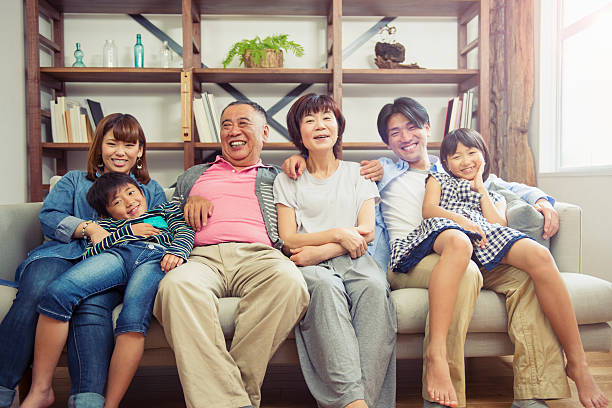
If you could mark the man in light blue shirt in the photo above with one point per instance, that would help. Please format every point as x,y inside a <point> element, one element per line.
<point>404,126</point>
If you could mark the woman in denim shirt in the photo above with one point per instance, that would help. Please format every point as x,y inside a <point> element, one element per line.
<point>119,145</point>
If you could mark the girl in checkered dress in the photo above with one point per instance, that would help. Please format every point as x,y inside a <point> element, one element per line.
<point>462,220</point>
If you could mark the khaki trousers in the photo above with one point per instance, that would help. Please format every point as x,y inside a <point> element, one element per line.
<point>539,367</point>
<point>273,296</point>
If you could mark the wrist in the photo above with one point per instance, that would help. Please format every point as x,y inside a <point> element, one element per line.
<point>84,227</point>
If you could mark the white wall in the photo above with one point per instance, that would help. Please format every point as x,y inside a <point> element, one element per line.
<point>592,192</point>
<point>13,160</point>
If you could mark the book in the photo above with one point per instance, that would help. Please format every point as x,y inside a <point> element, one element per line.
<point>96,111</point>
<point>205,130</point>
<point>449,110</point>
<point>210,99</point>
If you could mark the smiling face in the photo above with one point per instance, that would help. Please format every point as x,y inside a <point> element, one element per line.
<point>319,131</point>
<point>126,202</point>
<point>408,141</point>
<point>465,162</point>
<point>243,132</point>
<point>119,156</point>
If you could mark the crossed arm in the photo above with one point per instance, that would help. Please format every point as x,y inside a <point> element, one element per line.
<point>313,248</point>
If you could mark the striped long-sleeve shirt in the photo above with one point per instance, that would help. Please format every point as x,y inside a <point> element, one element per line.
<point>176,236</point>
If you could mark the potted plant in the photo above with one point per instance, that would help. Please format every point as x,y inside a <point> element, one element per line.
<point>266,53</point>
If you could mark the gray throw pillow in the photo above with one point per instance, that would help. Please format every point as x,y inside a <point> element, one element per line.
<point>521,215</point>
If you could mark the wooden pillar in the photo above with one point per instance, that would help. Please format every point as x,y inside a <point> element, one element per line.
<point>512,87</point>
<point>33,113</point>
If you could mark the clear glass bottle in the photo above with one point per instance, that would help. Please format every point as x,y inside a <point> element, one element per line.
<point>165,55</point>
<point>138,53</point>
<point>78,55</point>
<point>109,54</point>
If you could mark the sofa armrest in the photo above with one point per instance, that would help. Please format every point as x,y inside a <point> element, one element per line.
<point>20,231</point>
<point>566,245</point>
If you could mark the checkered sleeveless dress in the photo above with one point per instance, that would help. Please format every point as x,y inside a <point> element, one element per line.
<point>456,196</point>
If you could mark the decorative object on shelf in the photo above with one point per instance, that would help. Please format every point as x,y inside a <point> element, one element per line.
<point>266,53</point>
<point>78,55</point>
<point>138,52</point>
<point>165,55</point>
<point>109,54</point>
<point>390,53</point>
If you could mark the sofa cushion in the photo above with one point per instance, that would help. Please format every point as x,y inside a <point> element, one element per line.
<point>591,298</point>
<point>521,215</point>
<point>7,294</point>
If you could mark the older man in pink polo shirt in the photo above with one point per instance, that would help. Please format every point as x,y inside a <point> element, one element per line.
<point>236,253</point>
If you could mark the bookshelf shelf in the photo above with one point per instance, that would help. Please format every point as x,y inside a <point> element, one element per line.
<point>49,147</point>
<point>265,75</point>
<point>192,76</point>
<point>99,74</point>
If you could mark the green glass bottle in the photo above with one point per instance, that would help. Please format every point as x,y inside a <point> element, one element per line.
<point>78,55</point>
<point>138,53</point>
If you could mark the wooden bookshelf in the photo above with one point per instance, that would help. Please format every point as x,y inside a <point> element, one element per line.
<point>192,76</point>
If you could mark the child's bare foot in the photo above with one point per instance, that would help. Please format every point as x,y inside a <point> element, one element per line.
<point>439,385</point>
<point>39,398</point>
<point>588,392</point>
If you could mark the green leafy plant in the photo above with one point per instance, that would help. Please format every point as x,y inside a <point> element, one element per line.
<point>257,48</point>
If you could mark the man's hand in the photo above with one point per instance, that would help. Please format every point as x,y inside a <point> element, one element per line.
<point>294,166</point>
<point>371,169</point>
<point>306,256</point>
<point>170,262</point>
<point>142,229</point>
<point>352,240</point>
<point>551,217</point>
<point>197,210</point>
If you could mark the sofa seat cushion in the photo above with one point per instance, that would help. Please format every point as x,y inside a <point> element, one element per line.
<point>591,297</point>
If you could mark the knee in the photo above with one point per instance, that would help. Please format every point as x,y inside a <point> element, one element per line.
<point>178,290</point>
<point>460,245</point>
<point>541,259</point>
<point>471,281</point>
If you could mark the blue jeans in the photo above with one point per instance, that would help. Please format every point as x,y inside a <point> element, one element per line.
<point>90,339</point>
<point>133,265</point>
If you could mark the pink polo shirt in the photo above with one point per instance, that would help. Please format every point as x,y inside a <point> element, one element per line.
<point>236,215</point>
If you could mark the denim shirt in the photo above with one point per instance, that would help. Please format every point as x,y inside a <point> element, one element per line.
<point>264,183</point>
<point>65,208</point>
<point>380,248</point>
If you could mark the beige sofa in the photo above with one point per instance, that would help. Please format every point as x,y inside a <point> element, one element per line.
<point>592,297</point>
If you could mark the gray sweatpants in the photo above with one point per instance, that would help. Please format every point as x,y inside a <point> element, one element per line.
<point>346,341</point>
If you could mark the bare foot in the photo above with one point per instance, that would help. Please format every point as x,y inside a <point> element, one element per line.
<point>439,384</point>
<point>588,392</point>
<point>39,398</point>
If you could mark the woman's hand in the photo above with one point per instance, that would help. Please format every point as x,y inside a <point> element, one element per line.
<point>351,240</point>
<point>294,166</point>
<point>306,256</point>
<point>471,226</point>
<point>371,169</point>
<point>96,233</point>
<point>476,184</point>
<point>142,229</point>
<point>170,262</point>
<point>197,210</point>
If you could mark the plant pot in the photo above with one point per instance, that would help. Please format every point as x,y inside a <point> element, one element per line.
<point>273,59</point>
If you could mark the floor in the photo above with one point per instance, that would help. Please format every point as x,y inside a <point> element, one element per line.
<point>489,385</point>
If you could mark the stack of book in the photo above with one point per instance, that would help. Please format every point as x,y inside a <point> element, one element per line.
<point>459,112</point>
<point>206,118</point>
<point>71,122</point>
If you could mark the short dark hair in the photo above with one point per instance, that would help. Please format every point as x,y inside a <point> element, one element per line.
<point>104,187</point>
<point>468,138</point>
<point>252,104</point>
<point>410,108</point>
<point>309,104</point>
